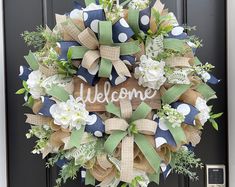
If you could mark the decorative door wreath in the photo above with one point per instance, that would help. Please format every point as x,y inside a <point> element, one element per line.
<point>117,93</point>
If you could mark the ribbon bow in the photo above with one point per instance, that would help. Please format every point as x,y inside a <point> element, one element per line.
<point>131,127</point>
<point>99,55</point>
<point>92,50</point>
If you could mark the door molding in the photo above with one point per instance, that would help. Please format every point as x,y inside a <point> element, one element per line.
<point>231,88</point>
<point>3,160</point>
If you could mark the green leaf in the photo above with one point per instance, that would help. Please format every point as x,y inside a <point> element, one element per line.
<point>215,116</point>
<point>20,91</point>
<point>30,102</point>
<point>25,85</point>
<point>124,185</point>
<point>214,124</point>
<point>32,60</point>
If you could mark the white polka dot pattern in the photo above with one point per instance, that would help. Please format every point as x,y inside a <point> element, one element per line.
<point>94,25</point>
<point>122,37</point>
<point>124,23</point>
<point>183,109</point>
<point>145,20</point>
<point>98,134</point>
<point>177,31</point>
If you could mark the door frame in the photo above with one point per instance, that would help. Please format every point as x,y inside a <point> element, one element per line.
<point>231,87</point>
<point>3,148</point>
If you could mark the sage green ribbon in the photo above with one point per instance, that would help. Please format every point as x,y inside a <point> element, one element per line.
<point>58,93</point>
<point>32,61</point>
<point>89,180</point>
<point>88,2</point>
<point>174,44</point>
<point>177,133</point>
<point>133,20</point>
<point>76,137</point>
<point>174,93</point>
<point>118,130</point>
<point>206,91</point>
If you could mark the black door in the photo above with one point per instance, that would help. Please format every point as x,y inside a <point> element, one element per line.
<point>27,170</point>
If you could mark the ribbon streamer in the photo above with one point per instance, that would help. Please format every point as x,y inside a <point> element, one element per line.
<point>119,130</point>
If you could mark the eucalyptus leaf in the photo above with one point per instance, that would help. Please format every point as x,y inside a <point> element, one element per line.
<point>20,91</point>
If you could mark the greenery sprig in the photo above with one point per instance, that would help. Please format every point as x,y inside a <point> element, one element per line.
<point>184,162</point>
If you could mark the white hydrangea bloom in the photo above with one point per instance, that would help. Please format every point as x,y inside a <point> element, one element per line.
<point>204,110</point>
<point>150,73</point>
<point>70,114</point>
<point>34,84</point>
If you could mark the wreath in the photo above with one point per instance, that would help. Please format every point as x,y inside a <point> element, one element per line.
<point>117,93</point>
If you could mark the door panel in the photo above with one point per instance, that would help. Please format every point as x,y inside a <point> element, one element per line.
<point>209,17</point>
<point>22,164</point>
<point>29,170</point>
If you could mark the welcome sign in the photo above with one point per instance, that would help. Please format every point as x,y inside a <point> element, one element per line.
<point>96,97</point>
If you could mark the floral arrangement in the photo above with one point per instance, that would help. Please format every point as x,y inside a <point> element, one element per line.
<point>128,142</point>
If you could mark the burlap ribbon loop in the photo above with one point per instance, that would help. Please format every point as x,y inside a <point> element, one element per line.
<point>90,59</point>
<point>115,124</point>
<point>88,39</point>
<point>110,53</point>
<point>143,126</point>
<point>146,126</point>
<point>126,108</point>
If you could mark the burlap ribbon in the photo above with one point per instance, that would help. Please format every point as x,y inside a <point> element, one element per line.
<point>143,126</point>
<point>109,54</point>
<point>57,138</point>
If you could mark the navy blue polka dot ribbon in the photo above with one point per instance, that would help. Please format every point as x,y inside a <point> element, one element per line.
<point>24,73</point>
<point>212,79</point>
<point>64,47</point>
<point>189,111</point>
<point>46,105</point>
<point>95,126</point>
<point>163,135</point>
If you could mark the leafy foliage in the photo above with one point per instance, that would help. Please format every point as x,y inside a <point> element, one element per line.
<point>35,39</point>
<point>184,162</point>
<point>68,171</point>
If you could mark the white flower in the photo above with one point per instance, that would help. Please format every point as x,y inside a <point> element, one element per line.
<point>138,4</point>
<point>93,6</point>
<point>204,110</point>
<point>70,114</point>
<point>150,73</point>
<point>34,84</point>
<point>205,76</point>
